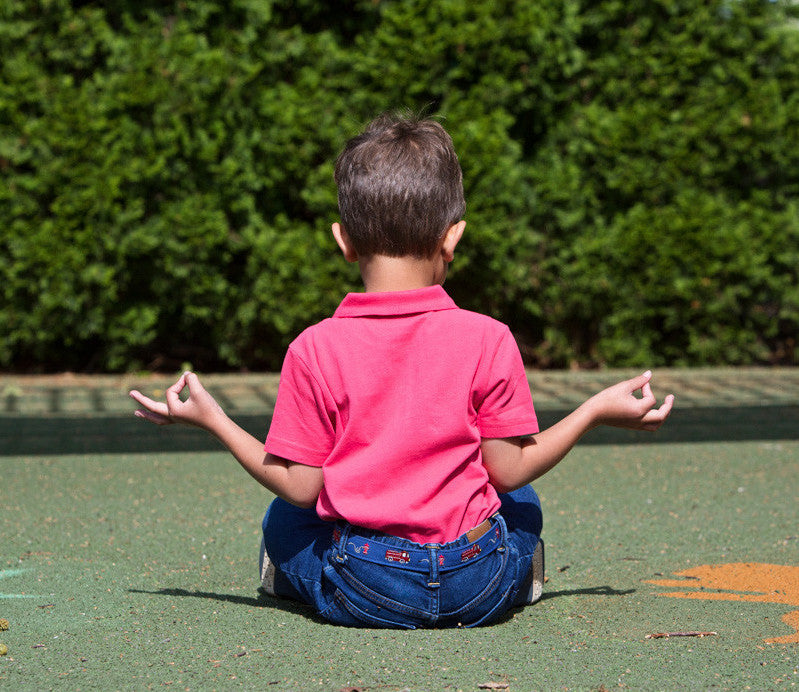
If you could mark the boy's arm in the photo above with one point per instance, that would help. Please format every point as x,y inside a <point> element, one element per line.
<point>296,483</point>
<point>515,462</point>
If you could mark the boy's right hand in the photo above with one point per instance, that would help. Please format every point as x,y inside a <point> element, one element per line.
<point>618,406</point>
<point>199,409</point>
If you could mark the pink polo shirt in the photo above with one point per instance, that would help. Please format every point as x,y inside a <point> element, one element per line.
<point>391,397</point>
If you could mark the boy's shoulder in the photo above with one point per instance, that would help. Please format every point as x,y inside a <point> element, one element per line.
<point>481,319</point>
<point>312,332</point>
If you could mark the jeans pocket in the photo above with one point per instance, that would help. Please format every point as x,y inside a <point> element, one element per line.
<point>357,600</point>
<point>495,581</point>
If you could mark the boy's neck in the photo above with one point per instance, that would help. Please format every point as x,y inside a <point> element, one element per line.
<point>381,273</point>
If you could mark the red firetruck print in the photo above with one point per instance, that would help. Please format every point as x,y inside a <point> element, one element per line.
<point>398,556</point>
<point>470,553</point>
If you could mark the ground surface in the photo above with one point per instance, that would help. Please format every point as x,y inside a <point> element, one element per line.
<point>127,553</point>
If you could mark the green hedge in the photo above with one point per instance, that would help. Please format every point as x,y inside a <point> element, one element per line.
<point>631,171</point>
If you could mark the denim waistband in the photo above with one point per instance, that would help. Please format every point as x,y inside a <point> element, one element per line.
<point>405,554</point>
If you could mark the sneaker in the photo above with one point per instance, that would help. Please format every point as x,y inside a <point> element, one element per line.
<point>537,586</point>
<point>267,572</point>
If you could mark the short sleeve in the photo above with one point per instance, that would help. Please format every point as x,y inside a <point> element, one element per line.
<point>302,428</point>
<point>503,400</point>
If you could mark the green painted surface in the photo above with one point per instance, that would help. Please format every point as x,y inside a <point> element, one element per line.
<point>128,571</point>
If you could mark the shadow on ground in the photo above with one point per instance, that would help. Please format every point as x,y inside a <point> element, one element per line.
<point>116,434</point>
<point>261,600</point>
<point>589,591</point>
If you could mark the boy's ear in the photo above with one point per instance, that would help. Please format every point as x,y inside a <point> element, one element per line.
<point>343,241</point>
<point>451,239</point>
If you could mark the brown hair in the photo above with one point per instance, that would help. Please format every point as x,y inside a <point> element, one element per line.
<point>400,187</point>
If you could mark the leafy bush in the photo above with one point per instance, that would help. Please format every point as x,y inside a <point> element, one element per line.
<point>631,171</point>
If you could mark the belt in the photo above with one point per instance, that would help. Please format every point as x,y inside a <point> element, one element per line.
<point>478,531</point>
<point>482,540</point>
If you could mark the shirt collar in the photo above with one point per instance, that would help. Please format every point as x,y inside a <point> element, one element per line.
<point>395,303</point>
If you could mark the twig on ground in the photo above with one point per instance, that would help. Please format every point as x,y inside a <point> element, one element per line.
<point>666,635</point>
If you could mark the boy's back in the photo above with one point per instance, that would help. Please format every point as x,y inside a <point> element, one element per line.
<point>393,395</point>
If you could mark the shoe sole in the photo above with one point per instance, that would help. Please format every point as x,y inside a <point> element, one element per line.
<point>537,587</point>
<point>267,570</point>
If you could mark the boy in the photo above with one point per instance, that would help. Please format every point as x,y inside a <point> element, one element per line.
<point>404,437</point>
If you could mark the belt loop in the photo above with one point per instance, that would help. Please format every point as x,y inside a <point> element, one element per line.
<point>339,551</point>
<point>433,552</point>
<point>503,527</point>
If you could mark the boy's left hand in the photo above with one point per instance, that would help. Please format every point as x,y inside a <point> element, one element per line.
<point>199,409</point>
<point>619,407</point>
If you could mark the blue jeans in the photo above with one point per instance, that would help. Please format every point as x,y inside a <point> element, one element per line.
<point>363,578</point>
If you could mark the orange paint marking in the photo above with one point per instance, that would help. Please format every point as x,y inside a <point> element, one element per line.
<point>743,581</point>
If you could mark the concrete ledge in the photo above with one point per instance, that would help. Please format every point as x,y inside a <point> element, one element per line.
<point>70,414</point>
<point>86,395</point>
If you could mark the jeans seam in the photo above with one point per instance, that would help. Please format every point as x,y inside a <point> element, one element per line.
<point>497,610</point>
<point>363,616</point>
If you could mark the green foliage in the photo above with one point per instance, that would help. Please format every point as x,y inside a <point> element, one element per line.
<point>631,172</point>
<point>668,189</point>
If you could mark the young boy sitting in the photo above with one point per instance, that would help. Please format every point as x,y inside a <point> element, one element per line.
<point>404,437</point>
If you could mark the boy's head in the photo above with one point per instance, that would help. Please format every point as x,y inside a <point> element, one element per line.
<point>400,187</point>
